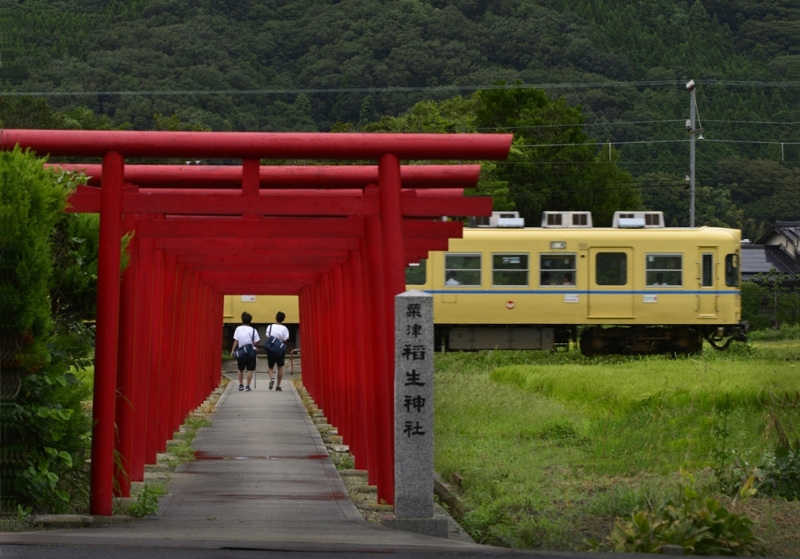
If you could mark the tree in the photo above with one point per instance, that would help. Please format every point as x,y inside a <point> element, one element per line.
<point>28,113</point>
<point>568,175</point>
<point>42,459</point>
<point>451,115</point>
<point>781,300</point>
<point>552,165</point>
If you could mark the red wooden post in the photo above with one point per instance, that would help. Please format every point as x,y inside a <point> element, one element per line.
<point>166,352</point>
<point>338,375</point>
<point>143,406</point>
<point>303,301</point>
<point>215,337</point>
<point>188,367</point>
<point>176,370</point>
<point>394,281</point>
<point>369,357</point>
<point>105,373</point>
<point>155,385</point>
<point>349,360</point>
<point>383,443</point>
<point>361,324</point>
<point>392,229</point>
<point>309,301</point>
<point>125,369</point>
<point>328,359</point>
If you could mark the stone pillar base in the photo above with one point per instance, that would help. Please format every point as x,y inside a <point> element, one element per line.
<point>436,526</point>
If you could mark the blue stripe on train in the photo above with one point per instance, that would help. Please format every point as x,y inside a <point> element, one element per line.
<point>575,292</point>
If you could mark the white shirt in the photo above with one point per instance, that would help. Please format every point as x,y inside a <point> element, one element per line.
<point>279,331</point>
<point>245,335</point>
<point>452,281</point>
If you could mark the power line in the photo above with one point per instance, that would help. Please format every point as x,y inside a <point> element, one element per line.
<point>655,184</point>
<point>620,123</point>
<point>412,89</point>
<point>681,164</point>
<point>750,122</point>
<point>619,143</point>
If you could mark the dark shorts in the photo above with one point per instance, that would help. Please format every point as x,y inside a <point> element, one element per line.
<point>249,364</point>
<point>277,360</point>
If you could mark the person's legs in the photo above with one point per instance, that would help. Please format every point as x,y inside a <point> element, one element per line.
<point>241,374</point>
<point>251,366</point>
<point>271,364</point>
<point>280,362</point>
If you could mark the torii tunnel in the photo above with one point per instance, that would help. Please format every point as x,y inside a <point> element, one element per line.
<point>339,237</point>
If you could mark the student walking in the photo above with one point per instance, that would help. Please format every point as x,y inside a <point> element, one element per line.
<point>244,349</point>
<point>276,355</point>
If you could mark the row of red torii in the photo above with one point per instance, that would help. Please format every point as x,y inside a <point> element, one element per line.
<point>339,237</point>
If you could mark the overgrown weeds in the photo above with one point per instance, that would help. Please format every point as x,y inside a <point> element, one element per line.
<point>694,522</point>
<point>146,500</point>
<point>552,446</point>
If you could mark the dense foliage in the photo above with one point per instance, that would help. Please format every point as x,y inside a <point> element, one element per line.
<point>771,300</point>
<point>44,429</point>
<point>532,180</point>
<point>310,64</point>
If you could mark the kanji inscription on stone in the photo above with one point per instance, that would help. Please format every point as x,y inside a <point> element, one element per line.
<point>413,407</point>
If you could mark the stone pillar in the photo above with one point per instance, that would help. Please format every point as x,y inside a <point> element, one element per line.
<point>413,417</point>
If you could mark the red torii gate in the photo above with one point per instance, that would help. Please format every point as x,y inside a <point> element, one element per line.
<point>342,252</point>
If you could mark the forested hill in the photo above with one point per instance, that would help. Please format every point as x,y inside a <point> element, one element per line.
<point>744,55</point>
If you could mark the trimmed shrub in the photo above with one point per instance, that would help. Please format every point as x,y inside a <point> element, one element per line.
<point>43,429</point>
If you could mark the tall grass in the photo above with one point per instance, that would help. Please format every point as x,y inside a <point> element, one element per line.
<point>785,332</point>
<point>623,388</point>
<point>551,445</point>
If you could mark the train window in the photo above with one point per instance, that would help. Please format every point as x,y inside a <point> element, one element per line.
<point>557,269</point>
<point>611,268</point>
<point>462,269</point>
<point>708,270</point>
<point>510,269</point>
<point>732,270</point>
<point>664,269</point>
<point>415,273</point>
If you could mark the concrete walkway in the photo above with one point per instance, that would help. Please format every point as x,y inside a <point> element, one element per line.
<point>262,480</point>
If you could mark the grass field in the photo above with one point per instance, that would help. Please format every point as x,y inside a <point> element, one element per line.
<point>552,446</point>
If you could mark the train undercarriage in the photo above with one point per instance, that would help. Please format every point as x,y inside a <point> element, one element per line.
<point>645,340</point>
<point>593,340</point>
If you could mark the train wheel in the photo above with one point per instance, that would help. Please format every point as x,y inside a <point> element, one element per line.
<point>591,343</point>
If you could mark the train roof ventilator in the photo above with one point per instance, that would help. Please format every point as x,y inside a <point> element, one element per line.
<point>579,220</point>
<point>499,220</point>
<point>638,220</point>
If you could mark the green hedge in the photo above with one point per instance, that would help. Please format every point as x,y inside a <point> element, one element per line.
<point>44,432</point>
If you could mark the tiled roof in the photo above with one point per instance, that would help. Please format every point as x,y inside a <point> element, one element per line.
<point>789,229</point>
<point>758,258</point>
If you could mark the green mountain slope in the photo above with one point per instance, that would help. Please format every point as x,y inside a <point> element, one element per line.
<point>623,62</point>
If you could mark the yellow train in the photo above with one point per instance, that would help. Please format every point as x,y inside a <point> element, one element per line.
<point>636,287</point>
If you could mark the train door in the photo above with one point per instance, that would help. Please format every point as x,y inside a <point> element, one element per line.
<point>610,282</point>
<point>707,282</point>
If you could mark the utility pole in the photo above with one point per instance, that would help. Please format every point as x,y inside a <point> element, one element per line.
<point>693,132</point>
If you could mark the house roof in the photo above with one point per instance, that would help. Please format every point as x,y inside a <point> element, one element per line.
<point>789,229</point>
<point>758,258</point>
